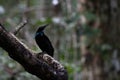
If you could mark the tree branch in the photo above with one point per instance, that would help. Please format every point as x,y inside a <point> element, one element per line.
<point>41,65</point>
<point>20,26</point>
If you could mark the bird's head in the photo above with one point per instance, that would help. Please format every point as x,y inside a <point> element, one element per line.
<point>41,29</point>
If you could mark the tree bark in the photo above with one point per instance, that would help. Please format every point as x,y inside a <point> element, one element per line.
<point>41,65</point>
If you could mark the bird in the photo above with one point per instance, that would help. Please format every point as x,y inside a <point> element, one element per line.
<point>43,41</point>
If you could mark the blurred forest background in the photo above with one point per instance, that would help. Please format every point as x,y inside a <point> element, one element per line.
<point>84,33</point>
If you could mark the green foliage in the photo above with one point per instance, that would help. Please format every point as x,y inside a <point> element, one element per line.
<point>72,68</point>
<point>43,21</point>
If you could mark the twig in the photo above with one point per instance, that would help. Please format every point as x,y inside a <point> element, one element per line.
<point>2,27</point>
<point>20,26</point>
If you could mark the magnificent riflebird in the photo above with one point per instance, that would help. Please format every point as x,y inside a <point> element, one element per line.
<point>43,41</point>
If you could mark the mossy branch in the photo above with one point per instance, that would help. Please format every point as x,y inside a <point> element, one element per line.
<point>41,65</point>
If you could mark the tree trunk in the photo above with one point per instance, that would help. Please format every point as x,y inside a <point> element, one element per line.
<point>92,62</point>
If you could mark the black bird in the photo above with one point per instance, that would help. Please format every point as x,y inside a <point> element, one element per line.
<point>43,41</point>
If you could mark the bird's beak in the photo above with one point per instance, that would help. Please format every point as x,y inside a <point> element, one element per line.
<point>45,25</point>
